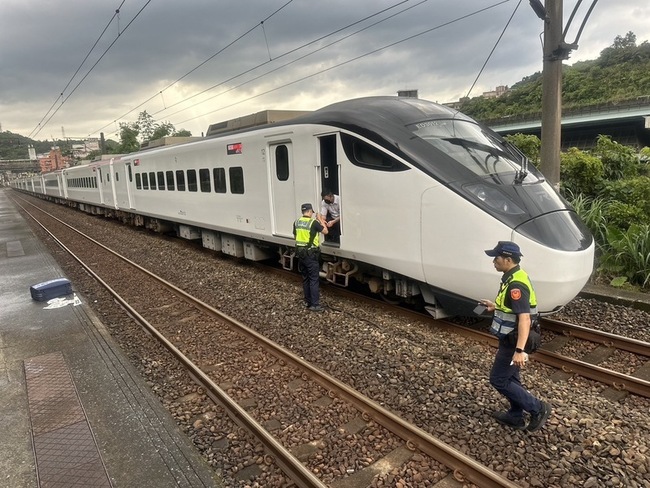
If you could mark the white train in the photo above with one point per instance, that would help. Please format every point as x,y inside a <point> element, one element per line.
<point>424,191</point>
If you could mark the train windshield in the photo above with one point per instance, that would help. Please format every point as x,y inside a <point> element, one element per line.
<point>478,150</point>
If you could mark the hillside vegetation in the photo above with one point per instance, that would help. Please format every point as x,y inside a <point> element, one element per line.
<point>621,72</point>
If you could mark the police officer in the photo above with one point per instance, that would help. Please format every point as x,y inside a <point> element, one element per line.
<point>306,231</point>
<point>515,309</point>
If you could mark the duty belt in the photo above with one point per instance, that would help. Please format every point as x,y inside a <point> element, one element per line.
<point>504,322</point>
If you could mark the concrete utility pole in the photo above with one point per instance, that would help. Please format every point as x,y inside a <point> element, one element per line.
<point>556,49</point>
<point>552,94</point>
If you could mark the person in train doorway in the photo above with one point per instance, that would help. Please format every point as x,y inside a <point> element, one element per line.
<point>330,210</point>
<point>307,230</point>
<point>515,321</point>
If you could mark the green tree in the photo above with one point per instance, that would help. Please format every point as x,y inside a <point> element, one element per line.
<point>619,161</point>
<point>128,138</point>
<point>162,130</point>
<point>145,126</point>
<point>580,173</point>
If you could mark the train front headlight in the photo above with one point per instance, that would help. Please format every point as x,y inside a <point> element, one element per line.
<point>493,198</point>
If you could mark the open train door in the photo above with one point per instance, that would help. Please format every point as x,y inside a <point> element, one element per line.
<point>329,167</point>
<point>283,193</point>
<point>329,177</point>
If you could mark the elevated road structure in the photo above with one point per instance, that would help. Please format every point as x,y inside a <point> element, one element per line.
<point>626,122</point>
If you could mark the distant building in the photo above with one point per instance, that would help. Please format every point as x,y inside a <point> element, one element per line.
<point>53,161</point>
<point>80,151</point>
<point>497,92</point>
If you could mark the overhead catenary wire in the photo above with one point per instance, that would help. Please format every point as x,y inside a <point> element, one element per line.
<point>493,49</point>
<point>94,65</point>
<point>231,43</point>
<point>116,14</point>
<point>286,54</point>
<point>248,70</point>
<point>356,58</point>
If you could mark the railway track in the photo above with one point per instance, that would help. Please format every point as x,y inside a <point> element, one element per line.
<point>152,301</point>
<point>637,383</point>
<point>412,358</point>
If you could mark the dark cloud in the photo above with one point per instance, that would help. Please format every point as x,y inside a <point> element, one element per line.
<point>43,42</point>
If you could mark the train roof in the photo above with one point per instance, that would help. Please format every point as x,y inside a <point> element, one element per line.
<point>384,120</point>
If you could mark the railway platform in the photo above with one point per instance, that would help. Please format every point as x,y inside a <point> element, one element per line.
<point>73,410</point>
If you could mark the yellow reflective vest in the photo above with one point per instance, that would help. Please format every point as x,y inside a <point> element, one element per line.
<point>303,232</point>
<point>504,320</point>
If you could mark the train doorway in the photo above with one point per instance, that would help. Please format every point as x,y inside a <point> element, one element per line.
<point>329,179</point>
<point>329,168</point>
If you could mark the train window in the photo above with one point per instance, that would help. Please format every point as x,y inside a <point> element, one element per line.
<point>161,180</point>
<point>282,163</point>
<point>117,176</point>
<point>180,180</point>
<point>204,178</point>
<point>130,173</point>
<point>138,181</point>
<point>145,181</point>
<point>100,176</point>
<point>219,175</point>
<point>108,177</point>
<point>191,180</point>
<point>170,180</point>
<point>152,180</point>
<point>236,179</point>
<point>363,154</point>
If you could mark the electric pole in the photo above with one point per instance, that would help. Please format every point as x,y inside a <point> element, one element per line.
<point>556,49</point>
<point>552,93</point>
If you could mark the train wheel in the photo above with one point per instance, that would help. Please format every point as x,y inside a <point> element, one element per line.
<point>391,298</point>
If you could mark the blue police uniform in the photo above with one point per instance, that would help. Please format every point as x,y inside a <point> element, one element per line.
<point>504,375</point>
<point>516,296</point>
<point>306,231</point>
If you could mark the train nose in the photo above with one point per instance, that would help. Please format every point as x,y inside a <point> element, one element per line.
<point>561,230</point>
<point>559,257</point>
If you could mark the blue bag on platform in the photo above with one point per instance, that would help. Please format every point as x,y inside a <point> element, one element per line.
<point>47,290</point>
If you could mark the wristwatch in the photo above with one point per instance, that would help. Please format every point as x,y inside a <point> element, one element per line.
<point>519,350</point>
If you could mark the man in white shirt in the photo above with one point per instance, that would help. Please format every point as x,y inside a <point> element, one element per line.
<point>330,209</point>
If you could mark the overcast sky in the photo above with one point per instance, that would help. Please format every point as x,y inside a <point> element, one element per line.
<point>333,50</point>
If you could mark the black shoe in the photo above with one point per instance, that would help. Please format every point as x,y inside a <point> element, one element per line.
<point>316,308</point>
<point>505,418</point>
<point>538,419</point>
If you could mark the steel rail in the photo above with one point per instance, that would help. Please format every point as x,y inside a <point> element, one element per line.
<point>464,467</point>
<point>601,337</point>
<point>290,465</point>
<point>617,380</point>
